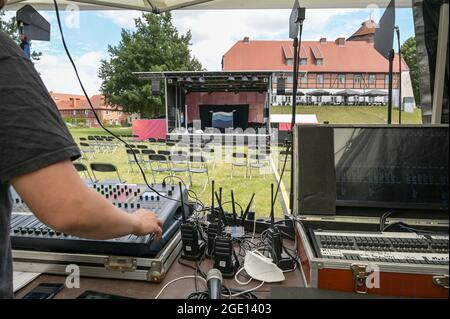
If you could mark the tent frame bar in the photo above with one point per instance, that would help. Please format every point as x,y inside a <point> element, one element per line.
<point>441,60</point>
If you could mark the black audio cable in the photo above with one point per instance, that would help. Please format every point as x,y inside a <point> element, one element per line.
<point>95,113</point>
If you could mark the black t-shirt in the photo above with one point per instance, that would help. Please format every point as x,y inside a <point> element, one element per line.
<point>32,136</point>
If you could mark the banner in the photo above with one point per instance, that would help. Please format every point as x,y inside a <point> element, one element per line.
<point>146,129</point>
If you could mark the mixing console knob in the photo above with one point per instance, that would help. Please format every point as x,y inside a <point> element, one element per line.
<point>140,197</point>
<point>157,198</point>
<point>138,206</point>
<point>51,232</point>
<point>119,205</point>
<point>131,205</point>
<point>135,193</point>
<point>152,197</point>
<point>172,188</point>
<point>169,193</point>
<point>16,230</point>
<point>44,231</point>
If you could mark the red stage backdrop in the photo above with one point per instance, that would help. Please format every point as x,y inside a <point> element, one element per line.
<point>146,129</point>
<point>255,101</point>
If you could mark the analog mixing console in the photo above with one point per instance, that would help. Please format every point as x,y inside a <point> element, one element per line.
<point>28,233</point>
<point>391,247</point>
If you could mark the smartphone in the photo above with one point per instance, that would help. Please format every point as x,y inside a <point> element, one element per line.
<point>44,291</point>
<point>89,294</point>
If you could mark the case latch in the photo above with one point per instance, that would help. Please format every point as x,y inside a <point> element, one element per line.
<point>441,281</point>
<point>120,263</point>
<point>360,275</point>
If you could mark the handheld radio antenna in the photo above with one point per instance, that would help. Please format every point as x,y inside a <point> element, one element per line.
<point>272,204</point>
<point>247,210</point>
<point>183,212</point>
<point>234,208</point>
<point>213,210</point>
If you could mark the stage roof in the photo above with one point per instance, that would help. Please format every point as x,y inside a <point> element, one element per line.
<point>219,81</point>
<point>167,5</point>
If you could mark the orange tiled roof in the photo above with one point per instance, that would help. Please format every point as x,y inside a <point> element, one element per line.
<point>79,102</point>
<point>352,56</point>
<point>367,28</point>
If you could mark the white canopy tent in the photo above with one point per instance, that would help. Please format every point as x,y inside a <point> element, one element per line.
<point>167,5</point>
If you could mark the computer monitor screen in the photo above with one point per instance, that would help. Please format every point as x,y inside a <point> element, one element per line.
<point>392,167</point>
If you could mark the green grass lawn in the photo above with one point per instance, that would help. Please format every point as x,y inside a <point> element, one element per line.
<point>352,114</point>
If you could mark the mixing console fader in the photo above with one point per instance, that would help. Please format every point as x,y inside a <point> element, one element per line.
<point>28,233</point>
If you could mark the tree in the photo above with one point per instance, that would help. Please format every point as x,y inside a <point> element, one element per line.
<point>155,46</point>
<point>10,28</point>
<point>408,50</point>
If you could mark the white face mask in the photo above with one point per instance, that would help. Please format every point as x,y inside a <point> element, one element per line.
<point>262,268</point>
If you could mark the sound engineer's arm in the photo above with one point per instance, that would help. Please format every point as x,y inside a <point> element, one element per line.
<point>59,198</point>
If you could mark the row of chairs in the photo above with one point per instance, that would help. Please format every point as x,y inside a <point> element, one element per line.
<point>98,168</point>
<point>170,164</point>
<point>101,144</point>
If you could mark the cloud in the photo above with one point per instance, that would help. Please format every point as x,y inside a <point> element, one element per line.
<point>123,19</point>
<point>215,32</point>
<point>59,76</point>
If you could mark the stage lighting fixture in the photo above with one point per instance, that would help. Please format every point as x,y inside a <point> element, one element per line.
<point>245,79</point>
<point>255,79</point>
<point>231,78</point>
<point>188,79</point>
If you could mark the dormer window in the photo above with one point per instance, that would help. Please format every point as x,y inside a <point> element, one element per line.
<point>319,61</point>
<point>290,62</point>
<point>303,61</point>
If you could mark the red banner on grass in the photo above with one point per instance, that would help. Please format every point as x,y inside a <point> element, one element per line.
<point>146,129</point>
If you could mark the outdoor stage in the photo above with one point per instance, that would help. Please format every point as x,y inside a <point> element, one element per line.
<point>224,106</point>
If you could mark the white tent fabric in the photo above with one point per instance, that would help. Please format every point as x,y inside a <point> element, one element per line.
<point>166,5</point>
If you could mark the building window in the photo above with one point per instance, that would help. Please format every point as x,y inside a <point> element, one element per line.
<point>274,99</point>
<point>290,80</point>
<point>372,78</point>
<point>289,62</point>
<point>386,80</point>
<point>357,79</point>
<point>319,61</point>
<point>303,61</point>
<point>304,79</point>
<point>341,79</point>
<point>74,112</point>
<point>319,79</point>
<point>107,112</point>
<point>86,112</point>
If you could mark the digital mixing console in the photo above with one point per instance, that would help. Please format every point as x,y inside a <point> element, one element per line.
<point>392,247</point>
<point>28,233</point>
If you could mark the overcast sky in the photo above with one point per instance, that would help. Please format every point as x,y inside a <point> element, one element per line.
<point>214,32</point>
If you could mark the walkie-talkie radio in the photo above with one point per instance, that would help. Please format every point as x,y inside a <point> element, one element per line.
<point>193,248</point>
<point>223,246</point>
